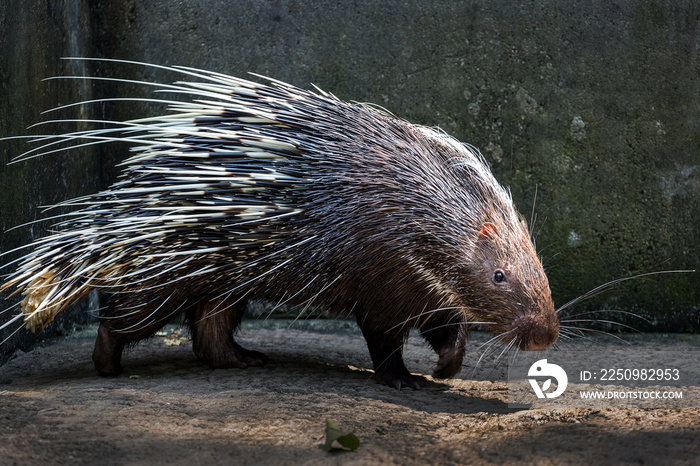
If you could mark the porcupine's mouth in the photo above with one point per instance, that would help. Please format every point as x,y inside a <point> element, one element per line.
<point>534,332</point>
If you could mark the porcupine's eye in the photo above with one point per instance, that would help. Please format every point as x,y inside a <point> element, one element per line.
<point>499,276</point>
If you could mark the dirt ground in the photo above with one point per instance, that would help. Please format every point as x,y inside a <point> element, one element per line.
<point>169,408</point>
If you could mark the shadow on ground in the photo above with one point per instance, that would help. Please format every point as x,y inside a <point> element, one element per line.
<point>168,408</point>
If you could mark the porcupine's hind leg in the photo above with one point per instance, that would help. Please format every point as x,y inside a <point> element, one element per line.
<point>448,339</point>
<point>386,349</point>
<point>117,330</point>
<point>212,324</point>
<point>107,355</point>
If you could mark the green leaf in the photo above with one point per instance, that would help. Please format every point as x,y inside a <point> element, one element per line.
<point>333,434</point>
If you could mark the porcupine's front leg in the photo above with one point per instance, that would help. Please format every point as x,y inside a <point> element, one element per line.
<point>386,350</point>
<point>212,324</point>
<point>448,339</point>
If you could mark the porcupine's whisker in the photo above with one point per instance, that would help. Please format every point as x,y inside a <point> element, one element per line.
<point>489,345</point>
<point>574,332</point>
<point>576,335</point>
<point>606,286</point>
<point>544,222</point>
<point>505,348</point>
<point>569,319</point>
<point>571,341</point>
<point>606,311</point>
<point>508,347</point>
<point>570,333</point>
<point>511,351</point>
<point>601,332</point>
<point>573,321</point>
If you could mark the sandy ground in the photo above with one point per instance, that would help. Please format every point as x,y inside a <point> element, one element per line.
<point>168,408</point>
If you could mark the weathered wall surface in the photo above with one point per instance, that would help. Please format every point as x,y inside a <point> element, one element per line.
<point>35,34</point>
<point>595,106</point>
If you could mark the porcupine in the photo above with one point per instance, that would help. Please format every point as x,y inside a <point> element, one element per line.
<point>250,190</point>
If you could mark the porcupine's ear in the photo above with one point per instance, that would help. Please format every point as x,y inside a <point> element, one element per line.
<point>488,231</point>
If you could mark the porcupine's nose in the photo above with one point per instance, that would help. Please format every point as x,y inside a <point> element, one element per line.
<point>535,332</point>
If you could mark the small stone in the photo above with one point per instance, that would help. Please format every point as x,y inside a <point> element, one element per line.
<point>577,129</point>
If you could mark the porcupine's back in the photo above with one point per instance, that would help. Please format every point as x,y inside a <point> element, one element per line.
<point>266,191</point>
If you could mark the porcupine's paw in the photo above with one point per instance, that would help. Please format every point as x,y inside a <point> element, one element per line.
<point>449,363</point>
<point>400,378</point>
<point>107,355</point>
<point>235,357</point>
<point>449,342</point>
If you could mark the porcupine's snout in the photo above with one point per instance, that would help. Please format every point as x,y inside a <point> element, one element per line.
<point>536,332</point>
<point>538,328</point>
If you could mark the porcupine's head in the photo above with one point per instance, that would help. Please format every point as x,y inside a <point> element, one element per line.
<point>489,264</point>
<point>510,287</point>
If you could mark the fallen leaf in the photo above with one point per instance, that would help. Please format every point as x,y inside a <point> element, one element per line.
<point>334,434</point>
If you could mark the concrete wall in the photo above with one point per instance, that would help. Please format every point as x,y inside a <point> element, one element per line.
<point>595,106</point>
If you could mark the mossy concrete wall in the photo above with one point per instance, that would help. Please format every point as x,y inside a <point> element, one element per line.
<point>592,106</point>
